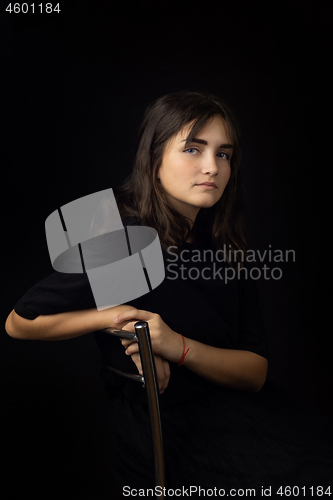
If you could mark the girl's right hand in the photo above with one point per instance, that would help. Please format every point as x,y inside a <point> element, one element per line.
<point>162,370</point>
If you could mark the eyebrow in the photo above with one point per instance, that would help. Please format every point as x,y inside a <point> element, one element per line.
<point>201,141</point>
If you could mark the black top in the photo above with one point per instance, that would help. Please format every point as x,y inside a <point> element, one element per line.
<point>201,297</point>
<point>213,437</point>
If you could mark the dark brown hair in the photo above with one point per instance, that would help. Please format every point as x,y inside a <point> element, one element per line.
<point>141,194</point>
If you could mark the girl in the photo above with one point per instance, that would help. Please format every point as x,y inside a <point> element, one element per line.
<point>223,425</point>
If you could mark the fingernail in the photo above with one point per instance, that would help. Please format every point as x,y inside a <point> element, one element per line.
<point>116,319</point>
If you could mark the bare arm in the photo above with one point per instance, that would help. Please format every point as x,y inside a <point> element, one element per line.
<point>232,368</point>
<point>72,324</point>
<point>62,326</point>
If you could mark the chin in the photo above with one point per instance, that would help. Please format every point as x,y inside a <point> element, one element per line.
<point>207,203</point>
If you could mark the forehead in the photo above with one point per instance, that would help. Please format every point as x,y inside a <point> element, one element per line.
<point>215,125</point>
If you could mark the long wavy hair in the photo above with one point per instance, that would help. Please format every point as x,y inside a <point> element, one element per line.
<point>141,195</point>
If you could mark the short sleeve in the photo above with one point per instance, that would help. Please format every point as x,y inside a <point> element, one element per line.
<point>58,292</point>
<point>252,334</point>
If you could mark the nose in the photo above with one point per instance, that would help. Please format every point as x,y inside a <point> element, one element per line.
<point>209,165</point>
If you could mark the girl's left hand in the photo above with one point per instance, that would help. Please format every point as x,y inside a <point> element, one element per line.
<point>164,341</point>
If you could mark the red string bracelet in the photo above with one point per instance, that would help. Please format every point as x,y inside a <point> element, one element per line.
<point>184,353</point>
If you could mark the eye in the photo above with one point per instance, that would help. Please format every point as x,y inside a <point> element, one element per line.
<point>225,155</point>
<point>190,150</point>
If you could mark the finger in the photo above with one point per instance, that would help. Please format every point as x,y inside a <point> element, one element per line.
<point>133,314</point>
<point>162,382</point>
<point>137,361</point>
<point>166,368</point>
<point>127,326</point>
<point>126,342</point>
<point>132,349</point>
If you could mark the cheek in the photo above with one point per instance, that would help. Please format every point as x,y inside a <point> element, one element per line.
<point>187,171</point>
<point>225,177</point>
<point>178,173</point>
<point>227,173</point>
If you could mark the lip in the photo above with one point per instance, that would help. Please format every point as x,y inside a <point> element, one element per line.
<point>208,185</point>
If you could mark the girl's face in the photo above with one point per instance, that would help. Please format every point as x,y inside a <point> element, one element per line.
<point>206,159</point>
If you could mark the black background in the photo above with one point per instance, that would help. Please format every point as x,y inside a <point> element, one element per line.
<point>75,88</point>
